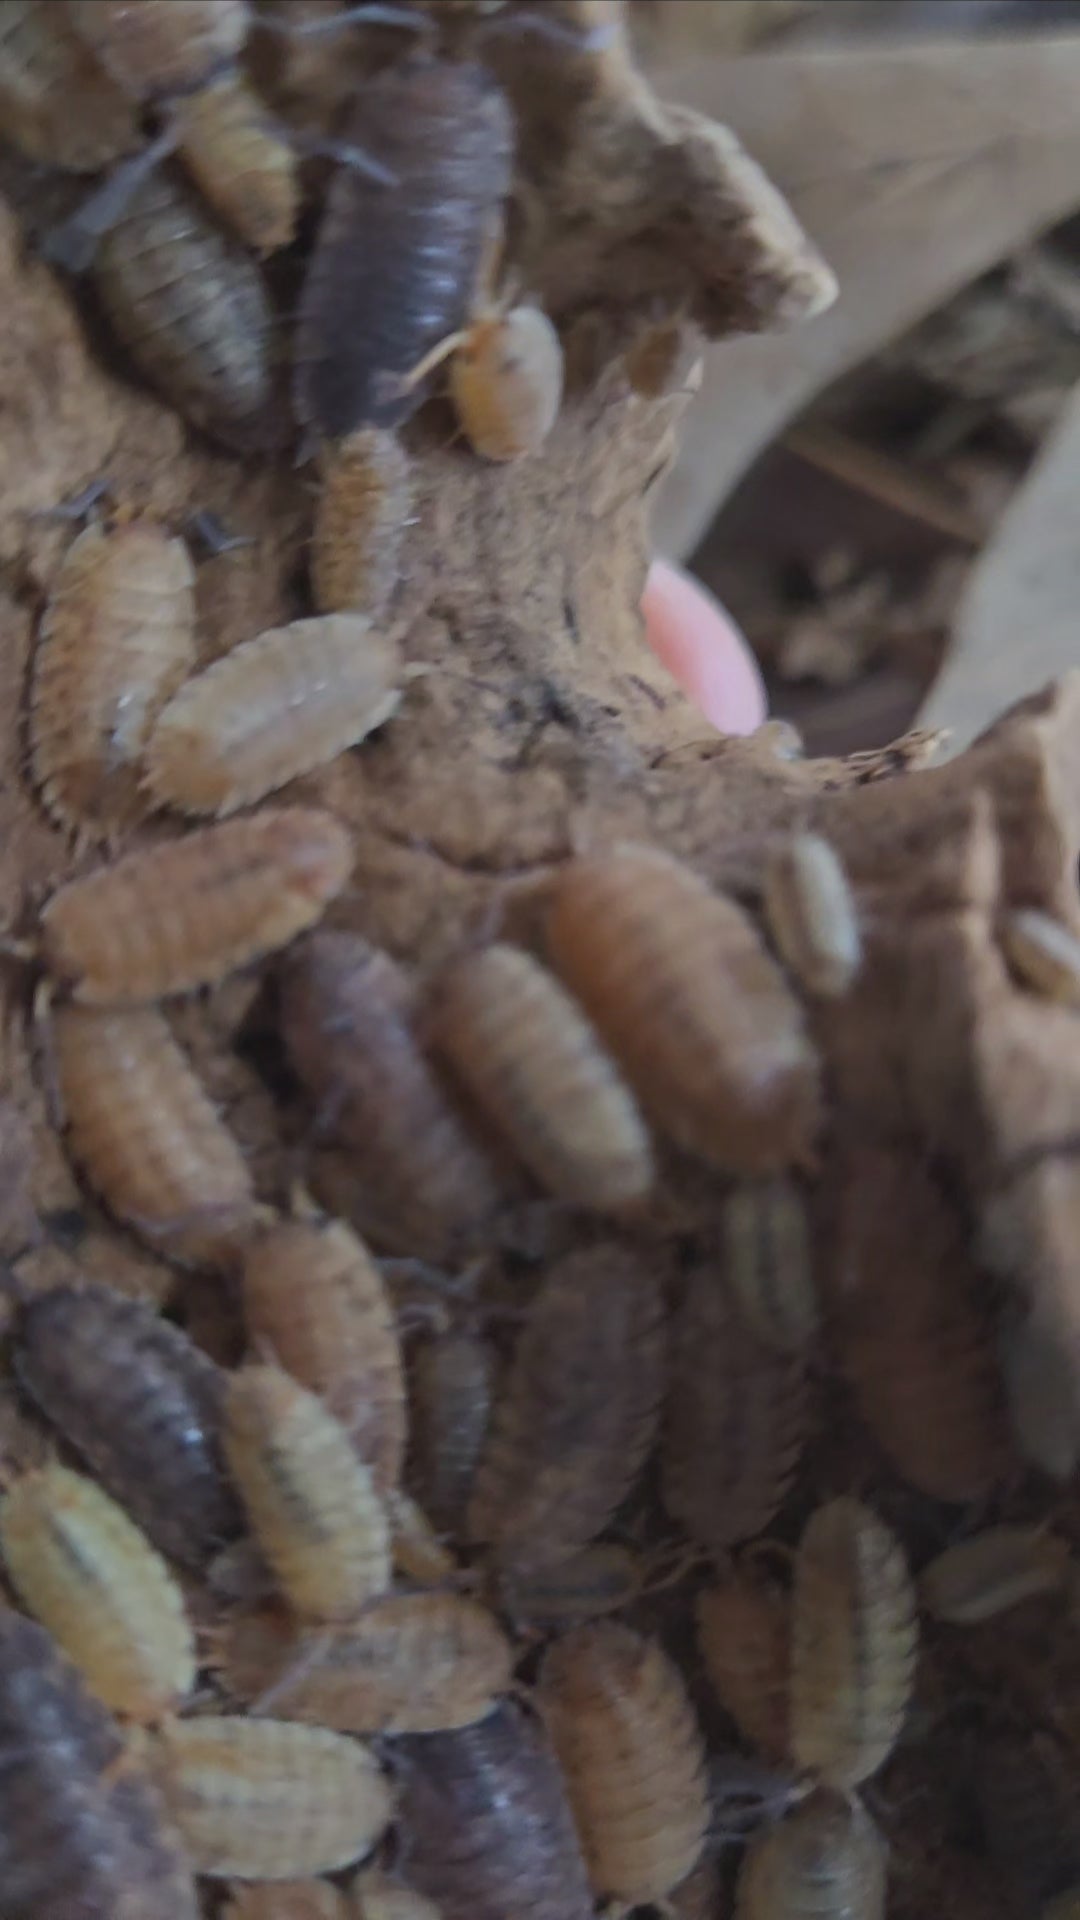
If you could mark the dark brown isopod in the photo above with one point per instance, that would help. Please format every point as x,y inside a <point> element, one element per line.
<point>450,1381</point>
<point>141,1405</point>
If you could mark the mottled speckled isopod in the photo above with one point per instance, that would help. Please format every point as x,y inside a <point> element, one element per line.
<point>767,1252</point>
<point>84,1835</point>
<point>598,1580</point>
<point>117,638</point>
<point>314,1298</point>
<point>490,1830</point>
<point>506,381</point>
<point>77,1562</point>
<point>444,130</point>
<point>185,913</point>
<point>56,105</point>
<point>811,914</point>
<point>735,1423</point>
<point>269,1800</point>
<point>744,1633</point>
<point>634,1759</point>
<point>691,1005</point>
<point>155,50</point>
<point>853,1643</point>
<point>375,1896</point>
<point>311,1501</point>
<point>825,1861</point>
<point>276,707</point>
<point>992,1571</point>
<point>248,173</point>
<point>578,1414</point>
<point>450,1380</point>
<point>146,1136</point>
<point>142,1406</point>
<point>1043,954</point>
<point>412,1663</point>
<point>424,1188</point>
<point>288,1900</point>
<point>365,502</point>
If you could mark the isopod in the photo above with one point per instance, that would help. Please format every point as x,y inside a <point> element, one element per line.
<point>311,1502</point>
<point>693,1008</point>
<point>425,1188</point>
<point>536,1069</point>
<point>56,105</point>
<point>269,1800</point>
<point>412,1663</point>
<point>364,507</point>
<point>248,173</point>
<point>95,1582</point>
<point>117,638</point>
<point>992,1571</point>
<point>278,706</point>
<point>853,1643</point>
<point>375,1896</point>
<point>735,1423</point>
<point>744,1632</point>
<point>811,914</point>
<point>825,1861</point>
<point>768,1261</point>
<point>598,1580</point>
<point>490,1830</point>
<point>578,1414</point>
<point>506,381</point>
<point>288,1900</point>
<point>1043,954</point>
<point>142,1406</point>
<point>84,1833</point>
<point>315,1299</point>
<point>157,50</point>
<point>444,130</point>
<point>147,1137</point>
<point>451,1379</point>
<point>186,913</point>
<point>634,1759</point>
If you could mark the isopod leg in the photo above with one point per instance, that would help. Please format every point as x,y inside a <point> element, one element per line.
<point>73,243</point>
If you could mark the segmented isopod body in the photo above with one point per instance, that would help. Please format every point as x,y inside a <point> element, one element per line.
<point>184,914</point>
<point>744,1631</point>
<point>84,1833</point>
<point>375,1896</point>
<point>147,1137</point>
<point>412,1663</point>
<point>155,50</point>
<point>490,1831</point>
<point>444,129</point>
<point>735,1423</point>
<point>854,1636</point>
<point>596,1581</point>
<point>768,1262</point>
<point>424,1187</point>
<point>451,1380</point>
<point>811,914</point>
<point>141,1405</point>
<point>56,105</point>
<point>315,1298</point>
<point>634,1759</point>
<point>311,1501</point>
<point>276,707</point>
<point>535,1067</point>
<point>191,308</point>
<point>288,1900</point>
<point>363,510</point>
<point>248,173</point>
<point>992,1571</point>
<point>1043,954</point>
<point>117,638</point>
<point>825,1861</point>
<point>268,1800</point>
<point>506,383</point>
<point>691,1005</point>
<point>578,1414</point>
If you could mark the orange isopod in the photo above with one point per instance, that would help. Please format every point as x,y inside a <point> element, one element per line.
<point>364,508</point>
<point>634,1758</point>
<point>744,1634</point>
<point>56,105</point>
<point>825,1861</point>
<point>315,1298</point>
<point>311,1502</point>
<point>288,1900</point>
<point>117,638</point>
<point>147,1137</point>
<point>186,913</point>
<point>248,173</point>
<point>87,1573</point>
<point>537,1070</point>
<point>156,50</point>
<point>692,1006</point>
<point>506,382</point>
<point>276,707</point>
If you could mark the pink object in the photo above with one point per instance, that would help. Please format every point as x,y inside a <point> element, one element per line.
<point>702,649</point>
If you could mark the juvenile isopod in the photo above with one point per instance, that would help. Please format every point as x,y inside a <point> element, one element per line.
<point>314,1298</point>
<point>536,1069</point>
<point>364,506</point>
<point>424,1187</point>
<point>186,913</point>
<point>578,1414</point>
<point>634,1759</point>
<point>376,1896</point>
<point>825,1861</point>
<point>288,1900</point>
<point>56,105</point>
<point>278,706</point>
<point>451,1379</point>
<point>311,1502</point>
<point>1044,954</point>
<point>992,1571</point>
<point>412,1663</point>
<point>811,914</point>
<point>768,1260</point>
<point>694,1010</point>
<point>142,1406</point>
<point>95,1582</point>
<point>247,172</point>
<point>156,50</point>
<point>146,1136</point>
<point>744,1634</point>
<point>117,638</point>
<point>84,1833</point>
<point>854,1637</point>
<point>506,380</point>
<point>598,1580</point>
<point>269,1800</point>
